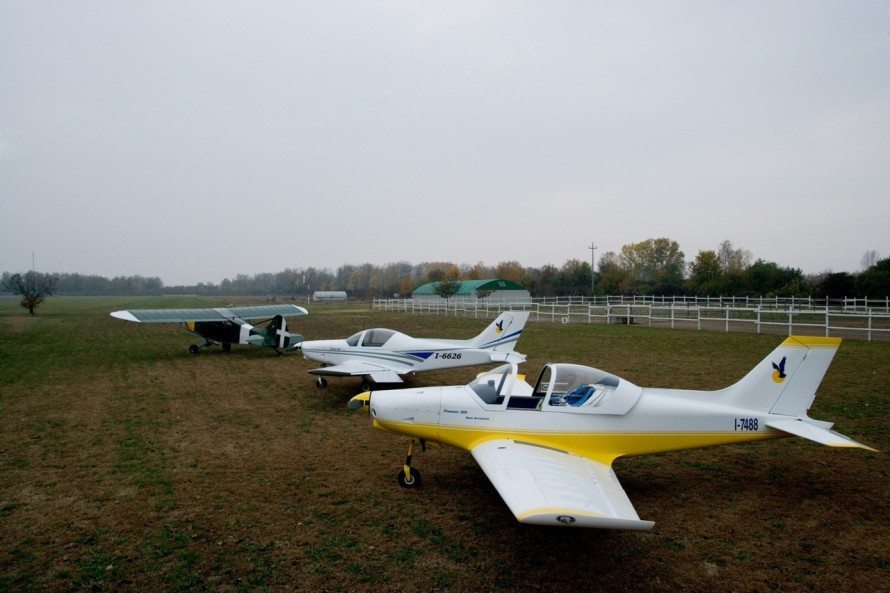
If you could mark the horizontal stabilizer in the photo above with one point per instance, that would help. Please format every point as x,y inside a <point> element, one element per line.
<point>816,433</point>
<point>507,357</point>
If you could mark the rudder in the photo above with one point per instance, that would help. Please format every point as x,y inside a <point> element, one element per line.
<point>501,335</point>
<point>785,382</point>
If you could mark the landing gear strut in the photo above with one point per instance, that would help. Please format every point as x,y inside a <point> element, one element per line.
<point>409,477</point>
<point>194,348</point>
<point>321,382</point>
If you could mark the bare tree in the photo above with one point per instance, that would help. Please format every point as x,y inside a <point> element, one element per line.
<point>32,286</point>
<point>869,258</point>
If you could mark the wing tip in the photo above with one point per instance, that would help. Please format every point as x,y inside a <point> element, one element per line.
<point>125,315</point>
<point>578,518</point>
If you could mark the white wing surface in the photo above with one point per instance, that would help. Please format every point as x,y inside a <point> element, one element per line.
<point>549,487</point>
<point>378,373</point>
<point>218,314</point>
<point>818,434</point>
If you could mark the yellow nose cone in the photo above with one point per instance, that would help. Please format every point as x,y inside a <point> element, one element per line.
<point>362,400</point>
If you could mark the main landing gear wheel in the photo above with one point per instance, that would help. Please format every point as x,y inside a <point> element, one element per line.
<point>321,382</point>
<point>193,349</point>
<point>366,385</point>
<point>411,481</point>
<point>227,347</point>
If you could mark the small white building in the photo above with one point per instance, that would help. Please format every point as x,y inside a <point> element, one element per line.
<point>329,295</point>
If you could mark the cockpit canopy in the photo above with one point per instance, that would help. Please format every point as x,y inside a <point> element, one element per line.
<point>372,337</point>
<point>560,387</point>
<point>586,388</point>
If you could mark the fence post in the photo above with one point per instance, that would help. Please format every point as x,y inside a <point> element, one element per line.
<point>698,315</point>
<point>790,322</point>
<point>672,315</point>
<point>758,320</point>
<point>826,321</point>
<point>869,325</point>
<point>726,311</point>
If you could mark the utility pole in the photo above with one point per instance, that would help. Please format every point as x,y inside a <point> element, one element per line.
<point>592,249</point>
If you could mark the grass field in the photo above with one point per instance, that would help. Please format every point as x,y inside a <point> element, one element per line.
<point>128,464</point>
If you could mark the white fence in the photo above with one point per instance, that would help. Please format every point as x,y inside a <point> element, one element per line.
<point>790,302</point>
<point>850,322</point>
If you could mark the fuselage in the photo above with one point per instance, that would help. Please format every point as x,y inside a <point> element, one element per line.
<point>400,352</point>
<point>656,420</point>
<point>238,331</point>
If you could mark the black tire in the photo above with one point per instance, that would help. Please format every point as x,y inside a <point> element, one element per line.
<point>227,347</point>
<point>366,385</point>
<point>411,482</point>
<point>193,349</point>
<point>321,382</point>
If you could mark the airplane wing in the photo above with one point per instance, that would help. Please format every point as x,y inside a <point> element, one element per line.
<point>218,314</point>
<point>378,373</point>
<point>267,311</point>
<point>549,487</point>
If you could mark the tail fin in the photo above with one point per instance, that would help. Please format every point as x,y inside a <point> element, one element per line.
<point>785,382</point>
<point>276,332</point>
<point>502,334</point>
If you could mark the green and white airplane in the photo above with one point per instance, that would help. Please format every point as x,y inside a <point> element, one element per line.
<point>227,325</point>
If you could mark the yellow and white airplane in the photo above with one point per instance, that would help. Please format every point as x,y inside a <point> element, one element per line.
<point>548,450</point>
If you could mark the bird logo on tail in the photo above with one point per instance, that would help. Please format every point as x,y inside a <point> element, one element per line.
<point>779,372</point>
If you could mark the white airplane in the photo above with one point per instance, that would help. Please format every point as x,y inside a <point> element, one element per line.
<point>381,355</point>
<point>548,450</point>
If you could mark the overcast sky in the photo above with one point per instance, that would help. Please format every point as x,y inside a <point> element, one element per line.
<point>198,140</point>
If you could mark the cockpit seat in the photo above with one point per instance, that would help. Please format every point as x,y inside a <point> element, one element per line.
<point>579,396</point>
<point>487,392</point>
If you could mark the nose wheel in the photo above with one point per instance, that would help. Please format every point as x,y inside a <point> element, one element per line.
<point>412,480</point>
<point>409,477</point>
<point>321,382</point>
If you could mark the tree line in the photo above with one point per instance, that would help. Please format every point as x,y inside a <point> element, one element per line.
<point>652,267</point>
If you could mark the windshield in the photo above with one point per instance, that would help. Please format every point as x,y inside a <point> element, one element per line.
<point>489,387</point>
<point>377,337</point>
<point>574,385</point>
<point>353,339</point>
